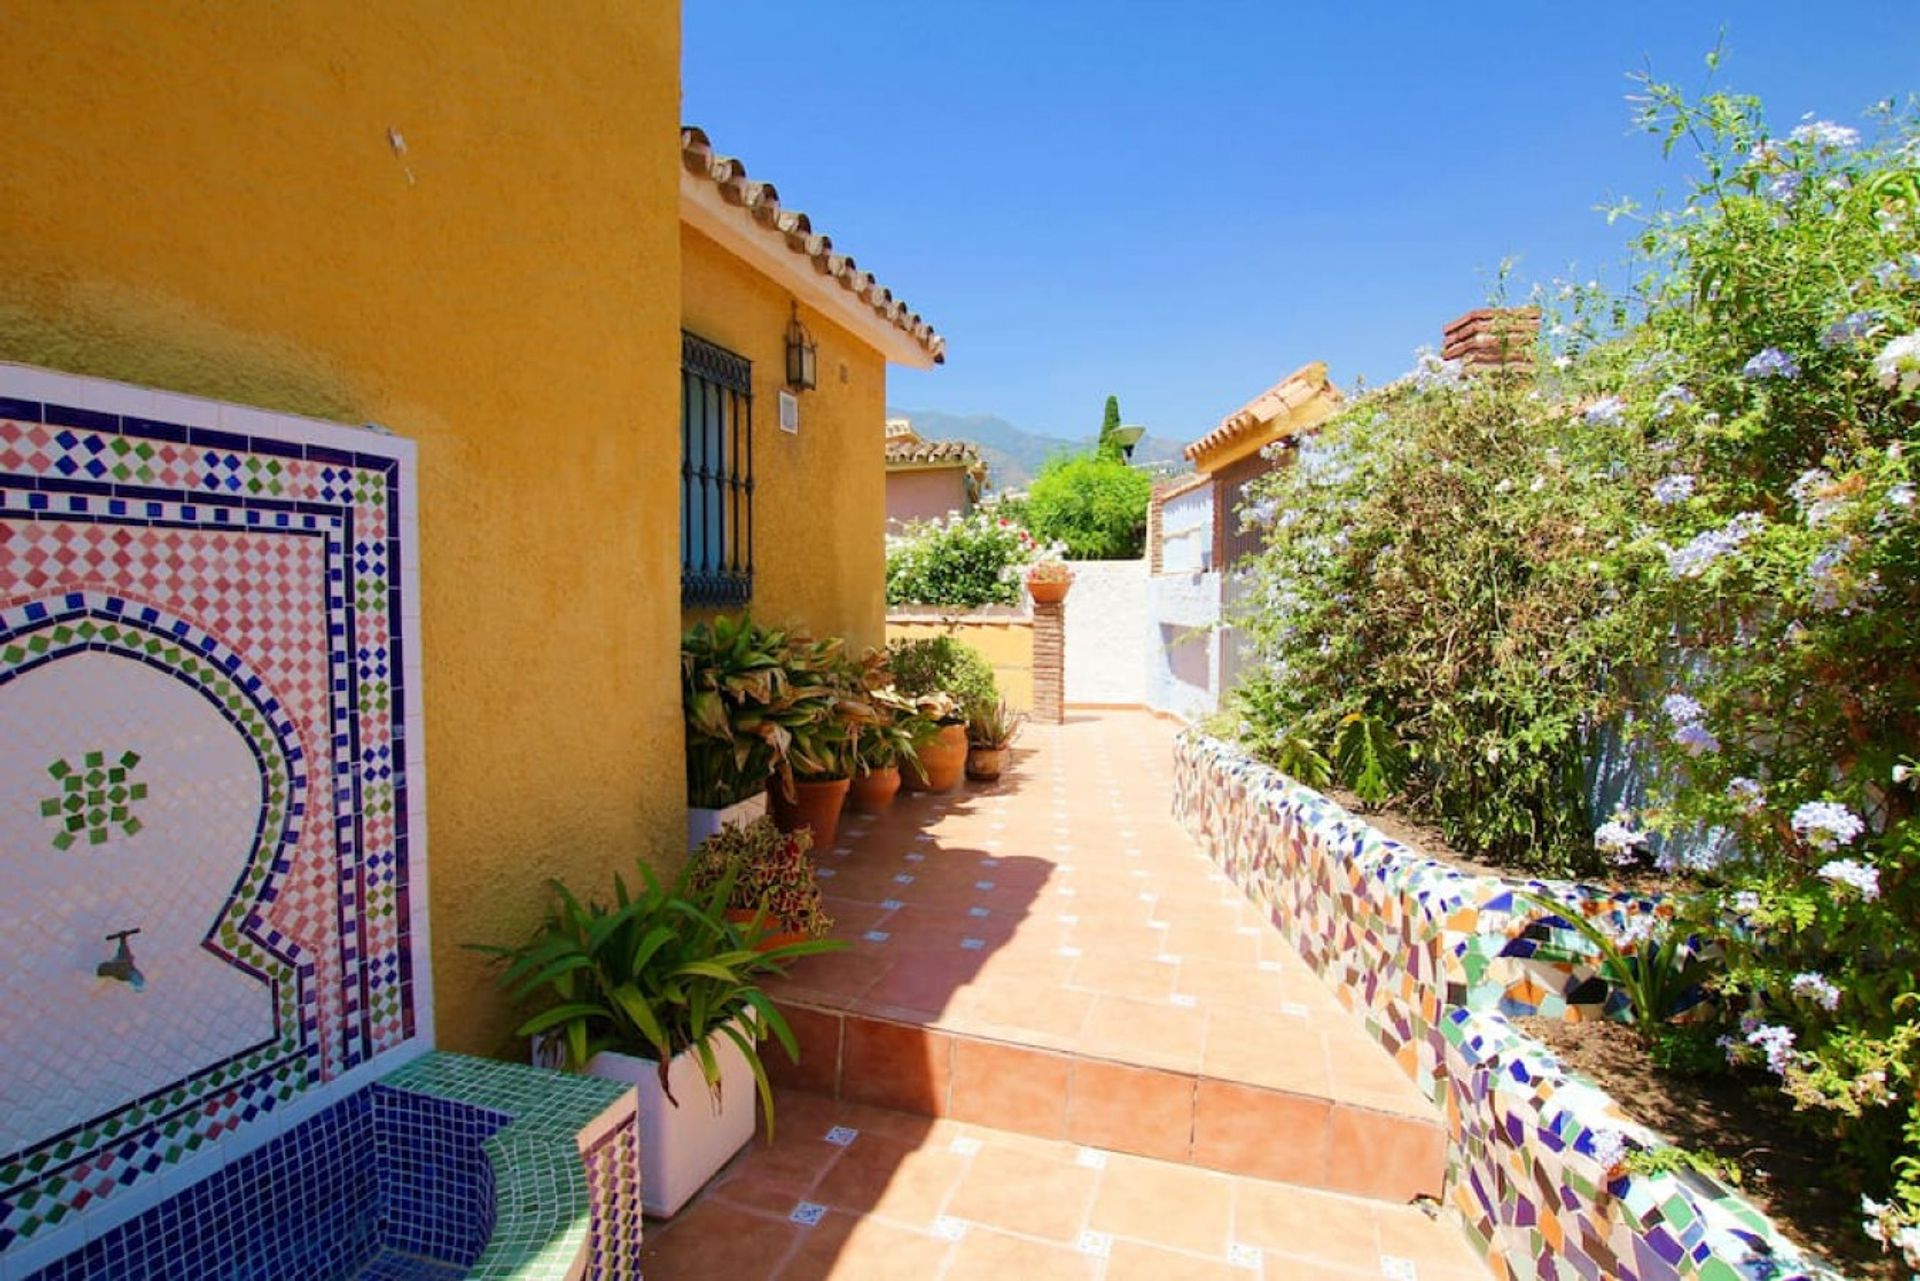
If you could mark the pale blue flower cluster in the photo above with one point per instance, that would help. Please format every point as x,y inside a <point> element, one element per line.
<point>1697,740</point>
<point>1776,1043</point>
<point>1829,586</point>
<point>1430,373</point>
<point>1671,399</point>
<point>1746,902</point>
<point>1812,986</point>
<point>1705,548</point>
<point>1852,328</point>
<point>1827,825</point>
<point>1682,709</point>
<point>1770,362</point>
<point>1608,411</point>
<point>1826,134</point>
<point>1863,878</point>
<point>1617,840</point>
<point>1669,490</point>
<point>1747,795</point>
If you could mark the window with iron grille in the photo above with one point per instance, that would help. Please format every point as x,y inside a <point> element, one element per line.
<point>716,474</point>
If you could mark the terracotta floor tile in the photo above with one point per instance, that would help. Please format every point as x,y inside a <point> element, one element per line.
<point>1280,1053</point>
<point>1131,1261</point>
<point>818,1069</point>
<point>983,1255</point>
<point>1130,1109</point>
<point>860,1249</point>
<point>1135,975</point>
<point>1440,1245</point>
<point>1010,1087</point>
<point>905,1180</point>
<point>713,1241</point>
<point>1150,1033</point>
<point>1377,1154</point>
<point>1334,1231</point>
<point>1021,1192</point>
<point>1178,1206</point>
<point>895,1066</point>
<point>1264,1133</point>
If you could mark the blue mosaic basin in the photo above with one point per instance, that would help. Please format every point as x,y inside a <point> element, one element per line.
<point>385,1185</point>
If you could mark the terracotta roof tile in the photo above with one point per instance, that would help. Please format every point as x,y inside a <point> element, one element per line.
<point>760,200</point>
<point>1269,413</point>
<point>908,452</point>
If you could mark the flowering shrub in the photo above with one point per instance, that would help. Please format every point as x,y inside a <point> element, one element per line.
<point>962,561</point>
<point>1696,530</point>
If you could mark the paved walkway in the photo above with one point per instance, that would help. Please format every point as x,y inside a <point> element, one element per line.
<point>911,1198</point>
<point>1070,1048</point>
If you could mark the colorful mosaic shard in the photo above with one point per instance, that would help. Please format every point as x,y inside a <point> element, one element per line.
<point>1427,956</point>
<point>201,634</point>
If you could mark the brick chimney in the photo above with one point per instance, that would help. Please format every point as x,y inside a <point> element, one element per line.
<point>1498,338</point>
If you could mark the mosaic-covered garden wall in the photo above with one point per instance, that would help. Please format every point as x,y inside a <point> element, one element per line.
<point>1435,960</point>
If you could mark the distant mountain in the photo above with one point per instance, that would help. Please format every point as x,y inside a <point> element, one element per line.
<point>1015,454</point>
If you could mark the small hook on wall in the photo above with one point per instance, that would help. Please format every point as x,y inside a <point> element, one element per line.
<point>399,145</point>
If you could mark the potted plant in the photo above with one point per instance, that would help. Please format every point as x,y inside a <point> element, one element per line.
<point>895,739</point>
<point>991,729</point>
<point>739,704</point>
<point>814,766</point>
<point>658,989</point>
<point>943,676</point>
<point>1048,580</point>
<point>775,889</point>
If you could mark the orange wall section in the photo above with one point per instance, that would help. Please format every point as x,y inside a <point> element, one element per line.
<point>819,502</point>
<point>203,196</point>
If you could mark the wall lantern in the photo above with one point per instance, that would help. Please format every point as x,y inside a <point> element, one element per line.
<point>802,355</point>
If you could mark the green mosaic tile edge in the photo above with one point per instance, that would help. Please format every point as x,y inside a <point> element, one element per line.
<point>541,1194</point>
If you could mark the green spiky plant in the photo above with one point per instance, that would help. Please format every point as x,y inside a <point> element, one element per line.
<point>653,974</point>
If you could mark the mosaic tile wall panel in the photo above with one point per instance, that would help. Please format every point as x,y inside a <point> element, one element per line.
<point>205,653</point>
<point>381,1174</point>
<point>1416,948</point>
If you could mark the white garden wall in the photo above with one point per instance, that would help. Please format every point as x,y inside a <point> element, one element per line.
<point>1108,629</point>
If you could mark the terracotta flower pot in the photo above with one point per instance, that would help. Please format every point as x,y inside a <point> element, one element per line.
<point>942,762</point>
<point>985,764</point>
<point>767,942</point>
<point>873,792</point>
<point>1047,593</point>
<point>816,805</point>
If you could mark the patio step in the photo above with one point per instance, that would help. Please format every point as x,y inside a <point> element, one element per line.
<point>1231,1126</point>
<point>1052,955</point>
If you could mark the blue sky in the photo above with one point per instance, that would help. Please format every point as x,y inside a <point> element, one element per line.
<point>1178,203</point>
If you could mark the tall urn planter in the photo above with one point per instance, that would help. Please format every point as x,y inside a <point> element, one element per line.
<point>816,805</point>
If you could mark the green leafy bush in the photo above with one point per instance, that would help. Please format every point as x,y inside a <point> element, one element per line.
<point>962,561</point>
<point>943,665</point>
<point>1697,530</point>
<point>1094,506</point>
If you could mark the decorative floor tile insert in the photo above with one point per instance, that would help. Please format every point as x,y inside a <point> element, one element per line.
<point>202,693</point>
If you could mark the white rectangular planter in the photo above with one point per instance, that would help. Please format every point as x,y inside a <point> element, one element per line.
<point>702,823</point>
<point>682,1147</point>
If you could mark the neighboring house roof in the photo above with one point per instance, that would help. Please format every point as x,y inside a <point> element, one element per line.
<point>918,454</point>
<point>901,429</point>
<point>1299,401</point>
<point>717,197</point>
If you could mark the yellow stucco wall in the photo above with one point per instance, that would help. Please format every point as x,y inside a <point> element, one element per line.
<point>202,196</point>
<point>1006,643</point>
<point>819,503</point>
